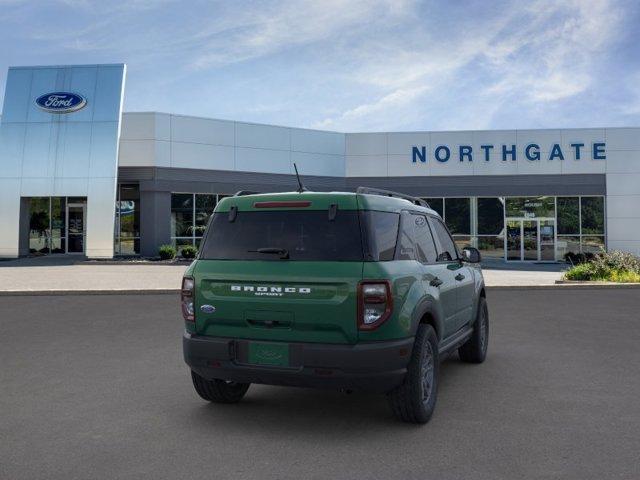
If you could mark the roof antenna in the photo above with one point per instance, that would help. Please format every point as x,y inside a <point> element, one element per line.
<point>301,187</point>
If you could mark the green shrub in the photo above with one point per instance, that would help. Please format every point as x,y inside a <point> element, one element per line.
<point>189,251</point>
<point>614,266</point>
<point>617,260</point>
<point>581,271</point>
<point>624,276</point>
<point>166,252</point>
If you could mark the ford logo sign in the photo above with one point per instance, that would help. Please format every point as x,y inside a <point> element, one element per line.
<point>61,102</point>
<point>207,308</point>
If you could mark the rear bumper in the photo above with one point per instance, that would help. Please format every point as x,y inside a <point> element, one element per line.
<point>373,366</point>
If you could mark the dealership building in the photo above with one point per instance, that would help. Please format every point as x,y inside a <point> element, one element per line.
<point>79,176</point>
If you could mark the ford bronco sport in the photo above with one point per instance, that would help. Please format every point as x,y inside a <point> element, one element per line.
<point>352,291</point>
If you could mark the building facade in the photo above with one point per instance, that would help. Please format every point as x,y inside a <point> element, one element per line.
<point>87,178</point>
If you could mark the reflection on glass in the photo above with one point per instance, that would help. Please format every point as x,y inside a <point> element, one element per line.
<point>568,216</point>
<point>58,245</point>
<point>204,208</point>
<point>58,214</point>
<point>491,247</point>
<point>592,244</point>
<point>436,203</point>
<point>530,207</point>
<point>457,212</point>
<point>530,240</point>
<point>490,216</point>
<point>567,244</point>
<point>181,215</point>
<point>181,242</point>
<point>514,237</point>
<point>39,225</point>
<point>462,241</point>
<point>127,227</point>
<point>547,240</point>
<point>592,215</point>
<point>75,237</point>
<point>129,246</point>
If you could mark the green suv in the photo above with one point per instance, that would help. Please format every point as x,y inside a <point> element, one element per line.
<point>352,291</point>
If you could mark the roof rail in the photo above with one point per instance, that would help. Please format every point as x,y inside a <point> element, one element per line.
<point>389,193</point>
<point>242,193</point>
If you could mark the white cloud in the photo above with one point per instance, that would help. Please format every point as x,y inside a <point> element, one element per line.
<point>534,55</point>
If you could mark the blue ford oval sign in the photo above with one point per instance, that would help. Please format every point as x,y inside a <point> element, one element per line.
<point>61,102</point>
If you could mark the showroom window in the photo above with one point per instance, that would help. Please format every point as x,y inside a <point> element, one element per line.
<point>190,213</point>
<point>490,227</point>
<point>581,225</point>
<point>127,228</point>
<point>436,204</point>
<point>457,214</point>
<point>57,225</point>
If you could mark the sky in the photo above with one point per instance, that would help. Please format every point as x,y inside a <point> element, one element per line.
<point>351,65</point>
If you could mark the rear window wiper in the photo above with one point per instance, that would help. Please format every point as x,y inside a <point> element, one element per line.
<point>283,252</point>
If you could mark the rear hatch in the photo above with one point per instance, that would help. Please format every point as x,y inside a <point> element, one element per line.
<point>281,270</point>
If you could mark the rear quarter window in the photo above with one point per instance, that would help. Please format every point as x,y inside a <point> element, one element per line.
<point>383,234</point>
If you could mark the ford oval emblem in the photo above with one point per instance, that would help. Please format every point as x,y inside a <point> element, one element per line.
<point>207,308</point>
<point>61,102</point>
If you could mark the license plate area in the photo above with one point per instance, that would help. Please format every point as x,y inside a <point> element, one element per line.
<point>268,354</point>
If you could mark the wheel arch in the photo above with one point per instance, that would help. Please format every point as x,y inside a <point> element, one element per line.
<point>427,314</point>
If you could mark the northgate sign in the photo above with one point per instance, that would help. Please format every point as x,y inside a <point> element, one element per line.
<point>577,151</point>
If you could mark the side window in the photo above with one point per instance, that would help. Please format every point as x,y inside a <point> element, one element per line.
<point>446,248</point>
<point>383,228</point>
<point>426,249</point>
<point>406,241</point>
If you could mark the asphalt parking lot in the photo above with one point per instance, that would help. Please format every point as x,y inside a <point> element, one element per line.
<point>95,387</point>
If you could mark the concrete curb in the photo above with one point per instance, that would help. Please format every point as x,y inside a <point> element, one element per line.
<point>157,291</point>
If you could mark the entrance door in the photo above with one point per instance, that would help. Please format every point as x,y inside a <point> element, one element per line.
<point>530,239</point>
<point>75,227</point>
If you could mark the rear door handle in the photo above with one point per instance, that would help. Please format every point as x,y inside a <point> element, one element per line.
<point>436,282</point>
<point>460,277</point>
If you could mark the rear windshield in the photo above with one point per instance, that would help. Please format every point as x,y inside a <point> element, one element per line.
<point>303,235</point>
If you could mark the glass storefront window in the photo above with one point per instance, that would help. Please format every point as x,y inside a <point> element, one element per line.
<point>592,244</point>
<point>462,241</point>
<point>39,216</point>
<point>457,215</point>
<point>568,215</point>
<point>530,207</point>
<point>182,215</point>
<point>190,214</point>
<point>490,216</point>
<point>127,230</point>
<point>437,204</point>
<point>204,208</point>
<point>592,214</point>
<point>48,229</point>
<point>567,244</point>
<point>491,246</point>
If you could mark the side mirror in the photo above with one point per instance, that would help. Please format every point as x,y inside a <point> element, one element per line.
<point>471,255</point>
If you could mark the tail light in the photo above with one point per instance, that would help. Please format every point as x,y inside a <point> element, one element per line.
<point>187,298</point>
<point>375,303</point>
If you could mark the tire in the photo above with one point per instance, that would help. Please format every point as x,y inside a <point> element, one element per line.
<point>415,400</point>
<point>475,349</point>
<point>219,391</point>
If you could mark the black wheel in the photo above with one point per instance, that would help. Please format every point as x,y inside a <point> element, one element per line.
<point>219,391</point>
<point>415,400</point>
<point>475,349</point>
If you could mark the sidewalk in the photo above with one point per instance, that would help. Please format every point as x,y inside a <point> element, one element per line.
<point>63,274</point>
<point>69,275</point>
